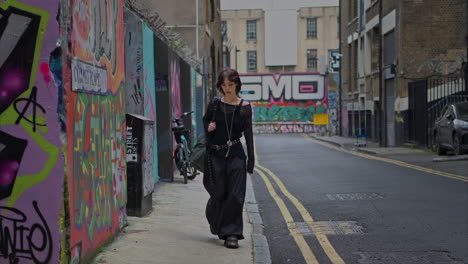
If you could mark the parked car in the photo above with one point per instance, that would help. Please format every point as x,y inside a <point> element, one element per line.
<point>451,129</point>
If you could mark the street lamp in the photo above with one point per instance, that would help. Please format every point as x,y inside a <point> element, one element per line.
<point>236,50</point>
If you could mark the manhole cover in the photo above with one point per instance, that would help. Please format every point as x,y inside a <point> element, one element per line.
<point>407,257</point>
<point>354,196</point>
<point>326,228</point>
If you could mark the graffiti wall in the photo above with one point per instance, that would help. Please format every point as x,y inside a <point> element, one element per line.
<point>197,103</point>
<point>139,72</point>
<point>286,103</point>
<point>31,167</point>
<point>149,92</point>
<point>174,75</point>
<point>134,86</point>
<point>175,94</point>
<point>95,125</point>
<point>333,102</point>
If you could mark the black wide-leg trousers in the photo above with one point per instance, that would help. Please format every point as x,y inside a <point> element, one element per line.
<point>225,181</point>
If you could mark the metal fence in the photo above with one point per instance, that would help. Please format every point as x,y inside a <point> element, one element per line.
<point>427,99</point>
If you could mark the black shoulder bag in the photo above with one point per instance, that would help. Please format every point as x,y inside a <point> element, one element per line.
<point>199,151</point>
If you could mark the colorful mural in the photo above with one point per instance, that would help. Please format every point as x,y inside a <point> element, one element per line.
<point>286,103</point>
<point>149,92</point>
<point>175,95</point>
<point>174,73</point>
<point>134,87</point>
<point>333,83</point>
<point>94,83</point>
<point>30,160</point>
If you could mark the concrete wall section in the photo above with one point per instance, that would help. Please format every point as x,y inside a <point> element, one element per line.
<point>163,110</point>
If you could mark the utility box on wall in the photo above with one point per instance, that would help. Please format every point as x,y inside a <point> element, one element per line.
<point>140,167</point>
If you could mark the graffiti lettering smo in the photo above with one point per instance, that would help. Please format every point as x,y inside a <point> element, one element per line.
<point>20,241</point>
<point>297,87</point>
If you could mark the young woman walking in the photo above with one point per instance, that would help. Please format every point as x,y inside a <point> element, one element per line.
<point>226,166</point>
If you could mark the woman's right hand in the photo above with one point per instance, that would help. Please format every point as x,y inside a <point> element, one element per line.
<point>212,127</point>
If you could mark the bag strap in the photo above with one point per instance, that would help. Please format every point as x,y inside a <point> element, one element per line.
<point>240,105</point>
<point>215,108</point>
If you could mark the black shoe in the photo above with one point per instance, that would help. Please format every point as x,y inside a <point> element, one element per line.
<point>231,242</point>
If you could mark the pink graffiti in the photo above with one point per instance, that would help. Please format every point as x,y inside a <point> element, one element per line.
<point>274,128</point>
<point>8,170</point>
<point>176,108</point>
<point>149,100</point>
<point>14,81</point>
<point>307,89</point>
<point>45,70</point>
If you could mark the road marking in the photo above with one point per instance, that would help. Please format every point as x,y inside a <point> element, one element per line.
<point>396,162</point>
<point>321,237</point>
<point>307,253</point>
<point>329,228</point>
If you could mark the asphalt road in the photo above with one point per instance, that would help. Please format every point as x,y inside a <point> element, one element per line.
<point>322,205</point>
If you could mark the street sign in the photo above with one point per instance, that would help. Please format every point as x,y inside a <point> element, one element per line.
<point>334,59</point>
<point>321,119</point>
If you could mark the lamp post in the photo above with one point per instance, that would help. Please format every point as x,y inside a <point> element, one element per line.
<point>236,50</point>
<point>382,103</point>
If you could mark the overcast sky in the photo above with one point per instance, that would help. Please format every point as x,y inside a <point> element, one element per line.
<point>275,4</point>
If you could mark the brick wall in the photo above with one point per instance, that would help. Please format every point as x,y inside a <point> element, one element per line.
<point>433,37</point>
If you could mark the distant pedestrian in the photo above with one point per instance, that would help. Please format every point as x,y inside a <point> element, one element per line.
<point>226,167</point>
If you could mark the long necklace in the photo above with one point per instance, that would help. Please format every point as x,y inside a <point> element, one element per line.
<point>229,131</point>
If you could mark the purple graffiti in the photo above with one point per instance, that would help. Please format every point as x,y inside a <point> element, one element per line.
<point>18,42</point>
<point>11,154</point>
<point>32,99</point>
<point>18,240</point>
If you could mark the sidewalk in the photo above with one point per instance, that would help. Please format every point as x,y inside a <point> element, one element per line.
<point>371,147</point>
<point>416,156</point>
<point>176,231</point>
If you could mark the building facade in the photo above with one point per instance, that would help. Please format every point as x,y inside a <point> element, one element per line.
<point>198,24</point>
<point>388,47</point>
<point>267,38</point>
<point>284,51</point>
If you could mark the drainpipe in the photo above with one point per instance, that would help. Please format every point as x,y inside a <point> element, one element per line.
<point>196,28</point>
<point>466,43</point>
<point>382,132</point>
<point>340,90</point>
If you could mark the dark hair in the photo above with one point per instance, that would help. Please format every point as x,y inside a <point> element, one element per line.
<point>230,74</point>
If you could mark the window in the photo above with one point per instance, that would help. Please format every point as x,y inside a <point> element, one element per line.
<point>350,10</point>
<point>312,27</point>
<point>375,49</point>
<point>251,29</point>
<point>312,59</point>
<point>356,8</point>
<point>251,61</point>
<point>213,7</point>
<point>353,7</point>
<point>224,30</point>
<point>349,69</point>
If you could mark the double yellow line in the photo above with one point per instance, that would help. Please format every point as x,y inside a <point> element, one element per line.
<point>396,162</point>
<point>305,249</point>
<point>327,247</point>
